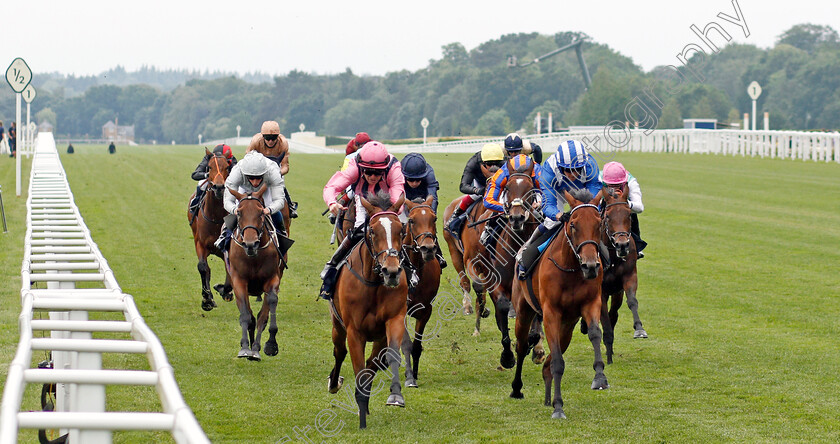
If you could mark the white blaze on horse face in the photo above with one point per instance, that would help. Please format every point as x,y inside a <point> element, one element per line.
<point>386,224</point>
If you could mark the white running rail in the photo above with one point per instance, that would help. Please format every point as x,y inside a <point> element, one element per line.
<point>801,145</point>
<point>58,253</point>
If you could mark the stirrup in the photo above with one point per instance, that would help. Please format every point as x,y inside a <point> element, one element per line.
<point>441,261</point>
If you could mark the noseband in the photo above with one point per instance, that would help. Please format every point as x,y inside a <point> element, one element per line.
<point>518,202</point>
<point>386,253</point>
<point>612,235</point>
<point>576,250</point>
<point>416,239</point>
<point>240,231</point>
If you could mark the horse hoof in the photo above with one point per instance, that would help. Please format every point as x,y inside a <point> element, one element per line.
<point>517,395</point>
<point>507,360</point>
<point>254,356</point>
<point>558,414</point>
<point>600,383</point>
<point>411,383</point>
<point>244,353</point>
<point>259,298</point>
<point>395,400</point>
<point>468,311</point>
<point>538,358</point>
<point>640,334</point>
<point>476,333</point>
<point>512,313</point>
<point>337,386</point>
<point>271,348</point>
<point>485,313</point>
<point>207,303</point>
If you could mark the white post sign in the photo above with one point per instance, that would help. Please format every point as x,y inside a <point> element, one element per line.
<point>425,124</point>
<point>238,129</point>
<point>18,75</point>
<point>754,90</point>
<point>28,96</point>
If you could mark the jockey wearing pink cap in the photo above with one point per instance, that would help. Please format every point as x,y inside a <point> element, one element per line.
<point>615,177</point>
<point>373,170</point>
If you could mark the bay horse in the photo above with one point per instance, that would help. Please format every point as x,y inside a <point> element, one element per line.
<point>469,257</point>
<point>370,305</point>
<point>522,215</point>
<point>565,286</point>
<point>620,277</point>
<point>206,227</point>
<point>419,243</point>
<point>255,268</point>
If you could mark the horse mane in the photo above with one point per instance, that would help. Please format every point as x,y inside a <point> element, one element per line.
<point>581,194</point>
<point>381,200</point>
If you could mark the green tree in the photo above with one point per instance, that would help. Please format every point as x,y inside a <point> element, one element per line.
<point>493,123</point>
<point>810,38</point>
<point>47,115</point>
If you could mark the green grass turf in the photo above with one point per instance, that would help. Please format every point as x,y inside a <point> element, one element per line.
<point>738,292</point>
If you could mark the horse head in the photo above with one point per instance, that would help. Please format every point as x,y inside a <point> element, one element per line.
<point>521,198</point>
<point>583,232</point>
<point>217,174</point>
<point>384,239</point>
<point>616,215</point>
<point>250,225</point>
<point>420,234</point>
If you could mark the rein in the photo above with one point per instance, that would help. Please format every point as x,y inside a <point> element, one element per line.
<point>422,235</point>
<point>575,250</point>
<point>388,252</point>
<point>612,235</point>
<point>519,202</point>
<point>240,231</point>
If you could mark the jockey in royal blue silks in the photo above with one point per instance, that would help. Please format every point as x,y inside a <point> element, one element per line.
<point>570,168</point>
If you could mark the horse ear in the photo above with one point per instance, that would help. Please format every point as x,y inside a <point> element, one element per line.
<point>236,194</point>
<point>368,206</point>
<point>570,199</point>
<point>399,203</point>
<point>430,199</point>
<point>258,194</point>
<point>207,152</point>
<point>410,205</point>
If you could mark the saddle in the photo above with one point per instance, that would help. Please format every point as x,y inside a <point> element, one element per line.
<point>459,223</point>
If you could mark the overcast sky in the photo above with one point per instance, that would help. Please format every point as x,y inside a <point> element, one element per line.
<point>85,37</point>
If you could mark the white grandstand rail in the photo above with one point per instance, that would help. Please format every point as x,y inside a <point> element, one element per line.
<point>59,250</point>
<point>802,145</point>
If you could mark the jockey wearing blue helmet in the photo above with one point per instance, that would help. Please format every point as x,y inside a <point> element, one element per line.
<point>570,168</point>
<point>420,182</point>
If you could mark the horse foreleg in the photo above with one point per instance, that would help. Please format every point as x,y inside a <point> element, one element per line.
<point>521,328</point>
<point>394,331</point>
<point>245,317</point>
<point>607,327</point>
<point>407,350</point>
<point>630,288</point>
<point>417,346</point>
<point>363,377</point>
<point>339,338</point>
<point>502,304</point>
<point>207,302</point>
<point>535,336</point>
<point>592,311</point>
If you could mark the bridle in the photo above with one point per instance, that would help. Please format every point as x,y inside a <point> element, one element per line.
<point>613,235</point>
<point>387,252</point>
<point>240,231</point>
<point>417,238</point>
<point>576,250</point>
<point>518,202</point>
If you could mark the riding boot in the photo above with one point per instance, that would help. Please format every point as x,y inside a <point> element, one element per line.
<point>530,251</point>
<point>223,242</point>
<point>439,255</point>
<point>411,274</point>
<point>330,271</point>
<point>637,237</point>
<point>490,233</point>
<point>453,224</point>
<point>292,205</point>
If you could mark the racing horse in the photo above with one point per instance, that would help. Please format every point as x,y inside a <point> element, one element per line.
<point>419,243</point>
<point>469,258</point>
<point>255,268</point>
<point>206,226</point>
<point>521,204</point>
<point>620,277</point>
<point>565,286</point>
<point>370,305</point>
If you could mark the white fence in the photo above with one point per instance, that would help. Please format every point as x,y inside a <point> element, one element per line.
<point>58,253</point>
<point>824,147</point>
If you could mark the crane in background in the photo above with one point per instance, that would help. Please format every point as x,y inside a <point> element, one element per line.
<point>576,45</point>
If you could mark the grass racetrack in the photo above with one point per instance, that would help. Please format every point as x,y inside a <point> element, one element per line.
<point>739,292</point>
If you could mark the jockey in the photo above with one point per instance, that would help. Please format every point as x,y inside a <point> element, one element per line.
<point>619,180</point>
<point>201,171</point>
<point>420,182</point>
<point>515,145</point>
<point>570,168</point>
<point>351,152</point>
<point>481,166</point>
<point>373,170</point>
<point>357,142</point>
<point>248,176</point>
<point>493,199</point>
<point>274,146</point>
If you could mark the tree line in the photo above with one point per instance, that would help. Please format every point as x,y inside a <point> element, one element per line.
<point>464,93</point>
